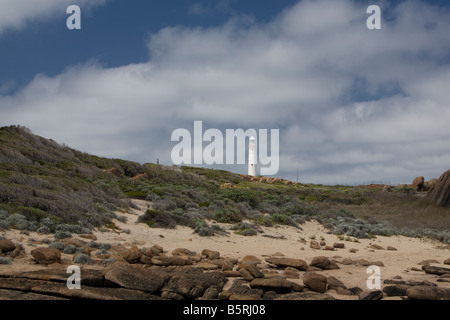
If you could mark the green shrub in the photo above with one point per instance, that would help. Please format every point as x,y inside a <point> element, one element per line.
<point>62,234</point>
<point>157,219</point>
<point>5,260</point>
<point>43,230</point>
<point>227,215</point>
<point>58,245</point>
<point>82,259</point>
<point>70,249</point>
<point>203,229</point>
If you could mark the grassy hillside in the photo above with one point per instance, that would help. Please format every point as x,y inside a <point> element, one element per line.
<point>47,187</point>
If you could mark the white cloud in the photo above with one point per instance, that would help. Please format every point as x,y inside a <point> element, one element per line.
<point>352,105</point>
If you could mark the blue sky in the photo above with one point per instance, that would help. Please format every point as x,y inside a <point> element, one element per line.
<point>114,34</point>
<point>352,105</point>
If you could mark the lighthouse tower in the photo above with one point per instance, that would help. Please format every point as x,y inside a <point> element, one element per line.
<point>252,157</point>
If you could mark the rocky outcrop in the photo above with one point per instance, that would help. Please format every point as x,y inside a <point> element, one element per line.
<point>418,184</point>
<point>439,192</point>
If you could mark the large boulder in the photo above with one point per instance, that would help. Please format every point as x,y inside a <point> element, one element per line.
<point>46,256</point>
<point>7,245</point>
<point>418,184</point>
<point>315,282</point>
<point>439,193</point>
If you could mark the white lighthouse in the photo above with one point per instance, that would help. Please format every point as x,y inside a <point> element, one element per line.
<point>252,157</point>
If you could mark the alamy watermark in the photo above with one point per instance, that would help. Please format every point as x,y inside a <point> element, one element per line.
<point>74,281</point>
<point>221,148</point>
<point>374,280</point>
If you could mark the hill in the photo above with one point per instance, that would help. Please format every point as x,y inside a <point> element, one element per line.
<point>51,188</point>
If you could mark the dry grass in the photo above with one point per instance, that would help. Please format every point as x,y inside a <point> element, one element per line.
<point>403,210</point>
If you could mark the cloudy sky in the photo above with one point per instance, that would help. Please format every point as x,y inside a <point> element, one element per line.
<point>353,105</point>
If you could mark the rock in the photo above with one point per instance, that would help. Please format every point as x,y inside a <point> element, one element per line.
<point>396,290</point>
<point>322,243</point>
<point>371,295</point>
<point>240,287</point>
<point>192,285</point>
<point>334,283</point>
<point>227,265</point>
<point>46,256</point>
<point>254,271</point>
<point>347,261</point>
<point>211,254</point>
<point>343,291</point>
<point>7,245</point>
<point>240,297</point>
<point>133,255</point>
<point>355,290</point>
<point>376,246</point>
<point>329,248</point>
<point>272,284</point>
<point>291,273</point>
<point>164,261</point>
<point>339,245</point>
<point>289,262</point>
<point>231,273</point>
<point>323,263</point>
<point>320,262</point>
<point>439,193</point>
<point>183,251</point>
<point>89,277</point>
<point>353,250</point>
<point>50,288</point>
<point>269,295</point>
<point>391,248</point>
<point>418,184</point>
<point>89,236</point>
<point>131,277</point>
<point>428,293</point>
<point>208,266</point>
<point>315,282</point>
<point>435,270</point>
<point>249,259</point>
<point>428,185</point>
<point>114,171</point>
<point>246,274</point>
<point>447,261</point>
<point>305,296</point>
<point>314,244</point>
<point>210,293</point>
<point>429,261</point>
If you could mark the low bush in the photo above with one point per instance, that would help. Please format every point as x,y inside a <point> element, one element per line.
<point>62,234</point>
<point>82,259</point>
<point>5,260</point>
<point>157,219</point>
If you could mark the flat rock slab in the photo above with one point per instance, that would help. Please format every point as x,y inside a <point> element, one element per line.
<point>41,288</point>
<point>289,262</point>
<point>272,284</point>
<point>136,278</point>
<point>435,270</point>
<point>89,277</point>
<point>428,293</point>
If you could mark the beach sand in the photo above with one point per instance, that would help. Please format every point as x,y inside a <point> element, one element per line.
<point>295,243</point>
